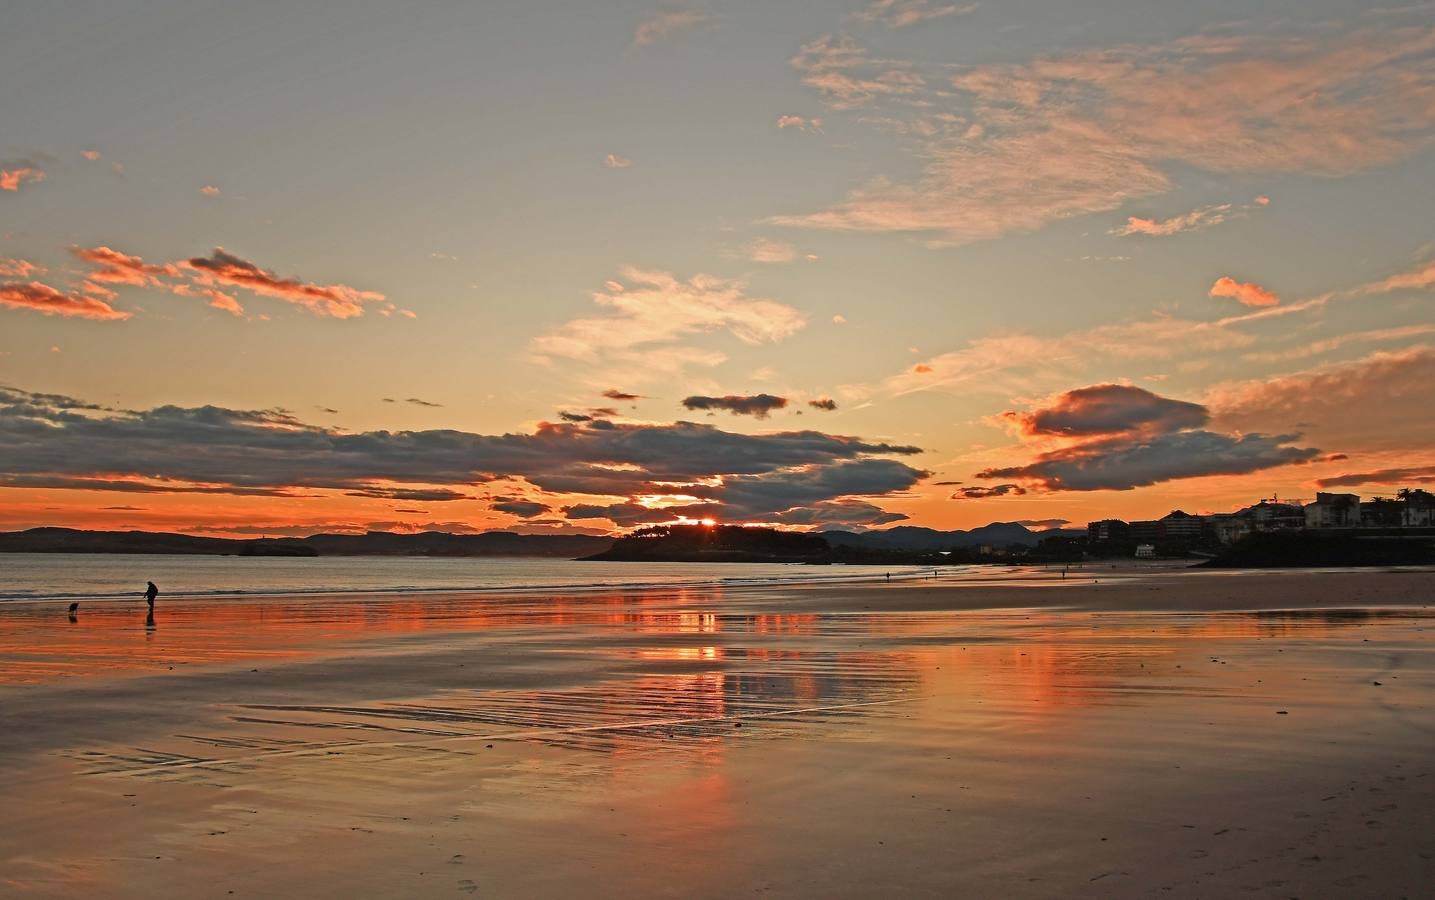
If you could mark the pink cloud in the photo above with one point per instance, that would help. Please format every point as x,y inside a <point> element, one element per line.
<point>209,190</point>
<point>1416,279</point>
<point>1248,294</point>
<point>1196,218</point>
<point>763,250</point>
<point>45,299</point>
<point>798,122</point>
<point>848,77</point>
<point>666,24</point>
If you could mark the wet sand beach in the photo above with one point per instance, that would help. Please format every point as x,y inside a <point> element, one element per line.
<point>1116,733</point>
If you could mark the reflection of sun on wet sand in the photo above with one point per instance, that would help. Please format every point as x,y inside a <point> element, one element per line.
<point>1025,739</point>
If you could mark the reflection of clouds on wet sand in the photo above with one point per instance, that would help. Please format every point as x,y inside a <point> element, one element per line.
<point>699,726</point>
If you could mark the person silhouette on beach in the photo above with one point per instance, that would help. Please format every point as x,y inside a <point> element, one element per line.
<point>150,593</point>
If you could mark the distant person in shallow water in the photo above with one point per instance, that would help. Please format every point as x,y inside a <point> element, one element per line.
<point>150,593</point>
<point>74,608</point>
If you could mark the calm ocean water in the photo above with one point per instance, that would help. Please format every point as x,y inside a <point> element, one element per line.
<point>65,576</point>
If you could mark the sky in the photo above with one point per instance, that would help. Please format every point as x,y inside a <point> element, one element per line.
<point>278,268</point>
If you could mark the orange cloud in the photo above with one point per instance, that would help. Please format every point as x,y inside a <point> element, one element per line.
<point>217,299</point>
<point>202,276</point>
<point>45,299</point>
<point>209,190</point>
<point>1248,294</point>
<point>19,268</point>
<point>337,300</point>
<point>11,179</point>
<point>115,267</point>
<point>614,161</point>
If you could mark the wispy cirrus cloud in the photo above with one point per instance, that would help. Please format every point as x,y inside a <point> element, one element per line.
<point>1204,217</point>
<point>648,314</point>
<point>1326,345</point>
<point>1019,362</point>
<point>663,25</point>
<point>1195,220</point>
<point>1009,148</point>
<point>847,77</point>
<point>1355,403</point>
<point>765,250</point>
<point>901,13</point>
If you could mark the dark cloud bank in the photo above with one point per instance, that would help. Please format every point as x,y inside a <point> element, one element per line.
<point>799,477</point>
<point>1127,437</point>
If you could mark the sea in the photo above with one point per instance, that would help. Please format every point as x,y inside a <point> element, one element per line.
<point>76,576</point>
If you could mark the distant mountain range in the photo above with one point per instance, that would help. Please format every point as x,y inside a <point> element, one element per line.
<point>910,537</point>
<point>489,543</point>
<point>373,543</point>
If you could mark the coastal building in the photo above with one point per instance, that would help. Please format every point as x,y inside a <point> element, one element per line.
<point>1108,531</point>
<point>1381,512</point>
<point>1145,551</point>
<point>1227,528</point>
<point>1146,531</point>
<point>1179,526</point>
<point>1419,508</point>
<point>1273,515</point>
<point>1333,511</point>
